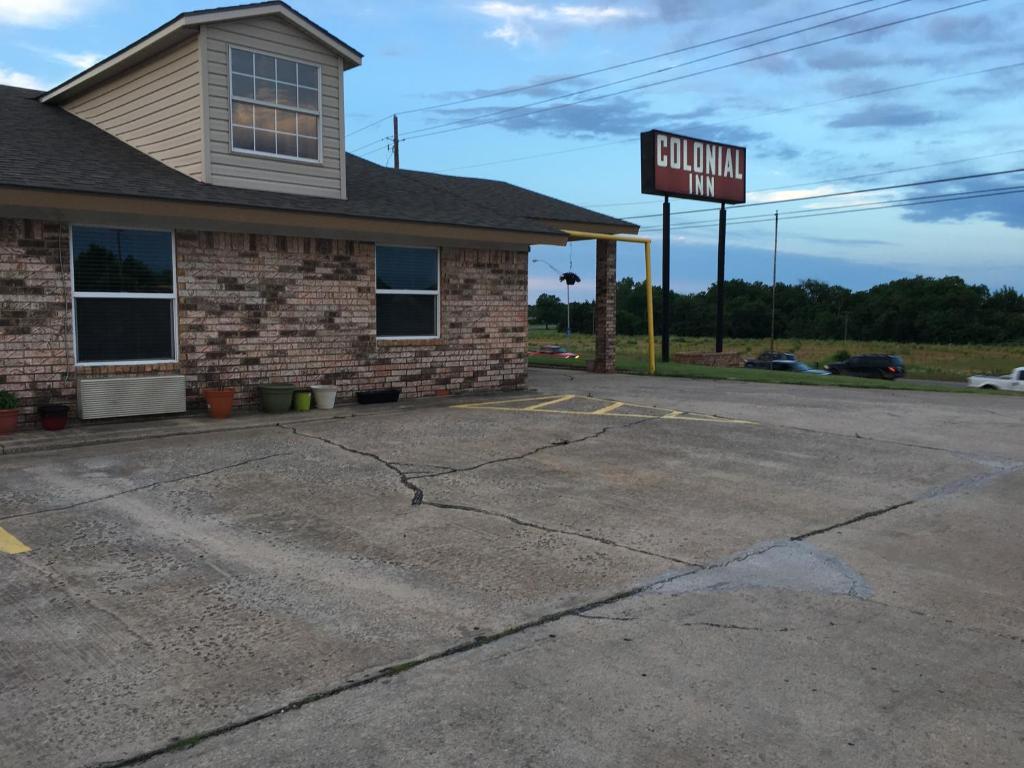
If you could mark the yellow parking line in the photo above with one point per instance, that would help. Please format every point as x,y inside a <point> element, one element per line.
<point>488,404</point>
<point>11,545</point>
<point>545,403</point>
<point>556,401</point>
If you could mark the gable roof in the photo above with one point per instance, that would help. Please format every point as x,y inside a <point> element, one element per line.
<point>185,25</point>
<point>44,147</point>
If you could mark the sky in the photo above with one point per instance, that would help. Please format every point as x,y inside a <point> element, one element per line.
<point>826,95</point>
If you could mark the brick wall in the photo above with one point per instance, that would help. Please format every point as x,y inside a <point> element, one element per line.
<point>255,308</point>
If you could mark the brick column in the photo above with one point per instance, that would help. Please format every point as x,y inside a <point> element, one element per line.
<point>604,308</point>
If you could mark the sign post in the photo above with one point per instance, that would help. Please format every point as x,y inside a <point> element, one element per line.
<point>693,169</point>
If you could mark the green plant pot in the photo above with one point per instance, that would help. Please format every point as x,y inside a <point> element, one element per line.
<point>276,398</point>
<point>303,399</point>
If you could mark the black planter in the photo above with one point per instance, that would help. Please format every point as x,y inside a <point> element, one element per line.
<point>371,396</point>
<point>53,417</point>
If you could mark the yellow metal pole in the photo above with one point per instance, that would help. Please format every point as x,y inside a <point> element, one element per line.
<point>650,309</point>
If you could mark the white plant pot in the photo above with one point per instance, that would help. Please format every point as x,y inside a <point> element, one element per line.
<point>324,395</point>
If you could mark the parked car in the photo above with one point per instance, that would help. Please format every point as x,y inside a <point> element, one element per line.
<point>554,350</point>
<point>767,357</point>
<point>870,366</point>
<point>789,366</point>
<point>1012,382</point>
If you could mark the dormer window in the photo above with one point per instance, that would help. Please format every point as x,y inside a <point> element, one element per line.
<point>275,106</point>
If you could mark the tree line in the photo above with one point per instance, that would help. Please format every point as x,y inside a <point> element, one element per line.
<point>944,310</point>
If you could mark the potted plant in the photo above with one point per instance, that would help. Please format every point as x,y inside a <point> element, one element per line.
<point>276,398</point>
<point>302,399</point>
<point>8,412</point>
<point>53,416</point>
<point>324,394</point>
<point>219,401</point>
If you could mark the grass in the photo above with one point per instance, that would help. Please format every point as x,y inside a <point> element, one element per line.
<point>939,362</point>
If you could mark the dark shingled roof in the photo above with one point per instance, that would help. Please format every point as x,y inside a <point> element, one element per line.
<point>44,147</point>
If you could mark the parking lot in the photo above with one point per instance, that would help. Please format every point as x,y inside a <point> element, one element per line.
<point>606,571</point>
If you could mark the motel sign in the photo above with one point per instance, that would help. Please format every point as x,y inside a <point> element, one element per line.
<point>681,166</point>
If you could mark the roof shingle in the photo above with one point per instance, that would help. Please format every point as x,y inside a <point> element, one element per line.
<point>45,147</point>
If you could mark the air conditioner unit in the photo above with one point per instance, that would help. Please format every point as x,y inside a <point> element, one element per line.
<point>130,396</point>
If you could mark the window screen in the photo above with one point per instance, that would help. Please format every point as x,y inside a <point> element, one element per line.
<point>407,292</point>
<point>124,295</point>
<point>275,105</point>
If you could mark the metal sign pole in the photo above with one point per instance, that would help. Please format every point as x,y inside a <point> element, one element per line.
<point>720,293</point>
<point>665,291</point>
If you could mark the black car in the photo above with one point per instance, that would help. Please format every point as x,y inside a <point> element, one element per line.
<point>870,366</point>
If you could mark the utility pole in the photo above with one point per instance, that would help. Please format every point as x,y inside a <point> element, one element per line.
<point>775,258</point>
<point>665,290</point>
<point>395,139</point>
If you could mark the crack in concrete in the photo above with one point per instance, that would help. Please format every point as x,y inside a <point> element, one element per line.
<point>548,447</point>
<point>977,458</point>
<point>382,674</point>
<point>562,531</point>
<point>948,489</point>
<point>146,487</point>
<point>417,492</point>
<point>713,625</point>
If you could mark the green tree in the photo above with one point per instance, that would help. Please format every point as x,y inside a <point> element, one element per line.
<point>548,310</point>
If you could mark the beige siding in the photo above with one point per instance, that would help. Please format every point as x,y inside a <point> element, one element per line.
<point>235,169</point>
<point>155,107</point>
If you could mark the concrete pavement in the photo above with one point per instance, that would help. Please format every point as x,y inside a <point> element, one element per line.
<point>837,583</point>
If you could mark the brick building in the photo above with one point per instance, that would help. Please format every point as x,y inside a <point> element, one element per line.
<point>186,210</point>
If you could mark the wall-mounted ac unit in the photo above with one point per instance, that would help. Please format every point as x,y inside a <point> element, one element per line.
<point>130,396</point>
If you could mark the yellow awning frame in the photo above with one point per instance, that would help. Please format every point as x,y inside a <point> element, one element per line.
<point>580,235</point>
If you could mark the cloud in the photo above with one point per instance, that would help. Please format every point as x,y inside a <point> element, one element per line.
<point>618,116</point>
<point>960,29</point>
<point>78,60</point>
<point>844,59</point>
<point>887,116</point>
<point>20,80</point>
<point>82,60</point>
<point>39,13</point>
<point>1003,208</point>
<point>525,22</point>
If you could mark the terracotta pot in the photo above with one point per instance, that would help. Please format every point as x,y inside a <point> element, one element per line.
<point>8,420</point>
<point>53,417</point>
<point>219,402</point>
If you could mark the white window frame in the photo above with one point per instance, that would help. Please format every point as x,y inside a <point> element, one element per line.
<point>172,297</point>
<point>319,113</point>
<point>393,291</point>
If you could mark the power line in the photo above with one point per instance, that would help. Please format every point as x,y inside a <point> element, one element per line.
<point>854,208</point>
<point>500,115</point>
<point>842,178</point>
<point>543,154</point>
<point>762,114</point>
<point>662,70</point>
<point>851,192</point>
<point>567,78</point>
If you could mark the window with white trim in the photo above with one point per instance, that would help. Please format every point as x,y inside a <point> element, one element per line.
<point>275,106</point>
<point>408,299</point>
<point>124,293</point>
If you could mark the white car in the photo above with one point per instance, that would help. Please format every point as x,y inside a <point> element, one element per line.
<point>1012,382</point>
